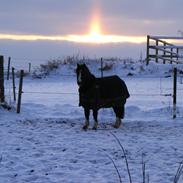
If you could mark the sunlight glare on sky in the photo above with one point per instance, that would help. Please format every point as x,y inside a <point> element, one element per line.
<point>87,26</point>
<point>94,36</point>
<point>89,38</point>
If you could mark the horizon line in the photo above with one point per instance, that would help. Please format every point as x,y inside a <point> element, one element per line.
<point>86,38</point>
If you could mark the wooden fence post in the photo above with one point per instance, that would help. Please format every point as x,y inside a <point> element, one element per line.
<point>2,98</point>
<point>29,67</point>
<point>101,62</point>
<point>171,55</point>
<point>157,51</point>
<point>177,51</point>
<point>147,52</point>
<point>174,92</point>
<point>20,91</point>
<point>164,60</point>
<point>8,71</point>
<point>13,80</point>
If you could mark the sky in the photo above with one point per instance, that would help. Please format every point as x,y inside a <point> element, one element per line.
<point>56,20</point>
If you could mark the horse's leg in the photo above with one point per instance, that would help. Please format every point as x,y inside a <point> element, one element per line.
<point>95,114</point>
<point>87,114</point>
<point>123,111</point>
<point>119,111</point>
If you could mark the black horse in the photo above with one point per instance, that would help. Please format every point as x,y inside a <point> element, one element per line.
<point>96,93</point>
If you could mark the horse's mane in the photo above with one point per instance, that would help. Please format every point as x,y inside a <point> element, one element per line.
<point>87,70</point>
<point>89,78</point>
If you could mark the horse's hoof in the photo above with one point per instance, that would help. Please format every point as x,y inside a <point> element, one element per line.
<point>116,126</point>
<point>85,127</point>
<point>94,128</point>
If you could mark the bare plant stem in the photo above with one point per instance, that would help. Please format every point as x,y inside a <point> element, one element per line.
<point>178,173</point>
<point>126,161</point>
<point>1,158</point>
<point>143,170</point>
<point>147,178</point>
<point>115,168</point>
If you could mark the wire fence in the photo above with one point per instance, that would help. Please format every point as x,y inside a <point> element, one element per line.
<point>160,91</point>
<point>148,95</point>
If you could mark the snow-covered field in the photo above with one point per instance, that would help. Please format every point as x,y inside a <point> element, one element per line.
<point>46,143</point>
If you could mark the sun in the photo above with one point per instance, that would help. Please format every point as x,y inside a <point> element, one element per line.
<point>95,28</point>
<point>95,34</point>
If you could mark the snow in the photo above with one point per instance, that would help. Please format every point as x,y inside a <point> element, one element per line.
<point>46,143</point>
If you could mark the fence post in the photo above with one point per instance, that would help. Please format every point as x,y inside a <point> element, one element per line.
<point>164,60</point>
<point>156,51</point>
<point>171,55</point>
<point>174,92</point>
<point>177,51</point>
<point>101,62</point>
<point>8,72</point>
<point>20,91</point>
<point>2,98</point>
<point>13,80</point>
<point>147,52</point>
<point>29,67</point>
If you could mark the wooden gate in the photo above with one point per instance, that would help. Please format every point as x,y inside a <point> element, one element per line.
<point>160,50</point>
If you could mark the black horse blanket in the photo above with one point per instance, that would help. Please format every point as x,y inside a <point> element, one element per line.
<point>103,93</point>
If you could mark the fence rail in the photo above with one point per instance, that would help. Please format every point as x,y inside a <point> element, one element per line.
<point>166,37</point>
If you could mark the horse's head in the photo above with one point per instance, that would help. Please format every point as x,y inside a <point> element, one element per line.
<point>82,73</point>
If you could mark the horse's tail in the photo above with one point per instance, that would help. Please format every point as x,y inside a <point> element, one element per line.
<point>125,90</point>
<point>122,87</point>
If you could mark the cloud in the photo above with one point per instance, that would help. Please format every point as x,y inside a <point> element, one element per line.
<point>143,16</point>
<point>44,16</point>
<point>162,9</point>
<point>62,17</point>
<point>73,17</point>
